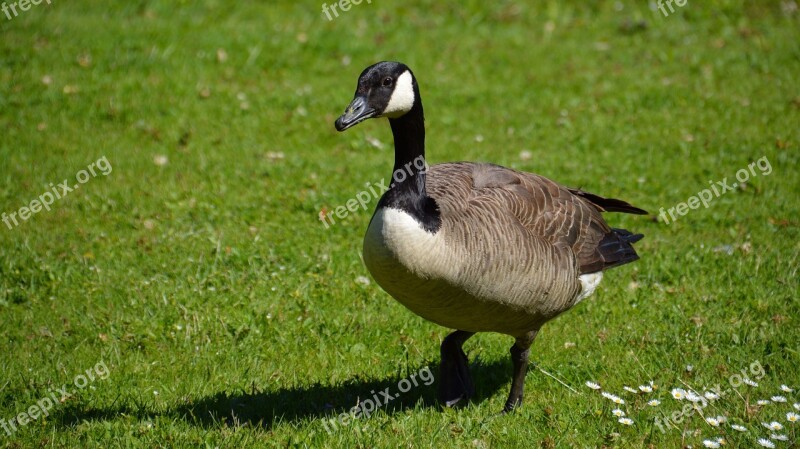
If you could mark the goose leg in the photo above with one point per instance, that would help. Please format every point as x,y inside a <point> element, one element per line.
<point>455,384</point>
<point>519,357</point>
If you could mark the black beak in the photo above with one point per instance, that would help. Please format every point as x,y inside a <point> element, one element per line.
<point>357,112</point>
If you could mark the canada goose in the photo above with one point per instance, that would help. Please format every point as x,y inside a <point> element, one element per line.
<point>478,247</point>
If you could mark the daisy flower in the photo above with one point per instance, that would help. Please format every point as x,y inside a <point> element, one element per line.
<point>739,428</point>
<point>645,388</point>
<point>616,399</point>
<point>792,417</point>
<point>786,389</point>
<point>678,393</point>
<point>654,403</point>
<point>722,418</point>
<point>774,425</point>
<point>618,413</point>
<point>779,437</point>
<point>778,399</point>
<point>762,402</point>
<point>713,421</point>
<point>766,443</point>
<point>629,390</point>
<point>691,396</point>
<point>592,385</point>
<point>626,421</point>
<point>797,406</point>
<point>750,382</point>
<point>711,396</point>
<point>710,443</point>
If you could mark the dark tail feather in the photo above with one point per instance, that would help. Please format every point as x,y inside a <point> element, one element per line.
<point>616,249</point>
<point>628,236</point>
<point>609,204</point>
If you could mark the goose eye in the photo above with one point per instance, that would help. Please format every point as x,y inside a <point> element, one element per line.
<point>387,81</point>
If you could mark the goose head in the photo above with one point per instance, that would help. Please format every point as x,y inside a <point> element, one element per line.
<point>386,89</point>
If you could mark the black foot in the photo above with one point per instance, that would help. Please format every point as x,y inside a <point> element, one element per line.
<point>455,383</point>
<point>519,358</point>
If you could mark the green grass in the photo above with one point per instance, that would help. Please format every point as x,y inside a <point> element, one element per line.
<point>229,316</point>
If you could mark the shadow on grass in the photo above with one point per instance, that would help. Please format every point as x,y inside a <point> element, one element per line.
<point>293,405</point>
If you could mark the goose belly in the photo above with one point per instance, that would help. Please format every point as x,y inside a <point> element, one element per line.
<point>421,271</point>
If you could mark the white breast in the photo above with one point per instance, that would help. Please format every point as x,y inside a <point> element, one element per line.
<point>395,234</point>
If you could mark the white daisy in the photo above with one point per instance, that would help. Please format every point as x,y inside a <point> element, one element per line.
<point>739,428</point>
<point>713,421</point>
<point>750,382</point>
<point>762,402</point>
<point>645,388</point>
<point>654,403</point>
<point>711,396</point>
<point>629,389</point>
<point>792,417</point>
<point>678,393</point>
<point>592,385</point>
<point>774,425</point>
<point>626,421</point>
<point>618,413</point>
<point>766,443</point>
<point>722,419</point>
<point>797,405</point>
<point>614,398</point>
<point>710,443</point>
<point>779,437</point>
<point>778,399</point>
<point>786,389</point>
<point>691,396</point>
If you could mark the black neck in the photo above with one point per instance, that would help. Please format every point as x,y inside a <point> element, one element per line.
<point>409,150</point>
<point>407,191</point>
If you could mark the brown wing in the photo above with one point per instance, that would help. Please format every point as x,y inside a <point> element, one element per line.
<point>561,216</point>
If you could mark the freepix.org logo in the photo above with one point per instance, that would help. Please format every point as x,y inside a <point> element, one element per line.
<point>47,198</point>
<point>58,396</point>
<point>23,5</point>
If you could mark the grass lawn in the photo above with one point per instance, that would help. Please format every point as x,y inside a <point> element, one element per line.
<point>186,294</point>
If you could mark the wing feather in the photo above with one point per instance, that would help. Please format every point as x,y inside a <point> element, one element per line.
<point>547,211</point>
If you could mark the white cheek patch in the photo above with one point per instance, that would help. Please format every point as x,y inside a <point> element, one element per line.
<point>402,97</point>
